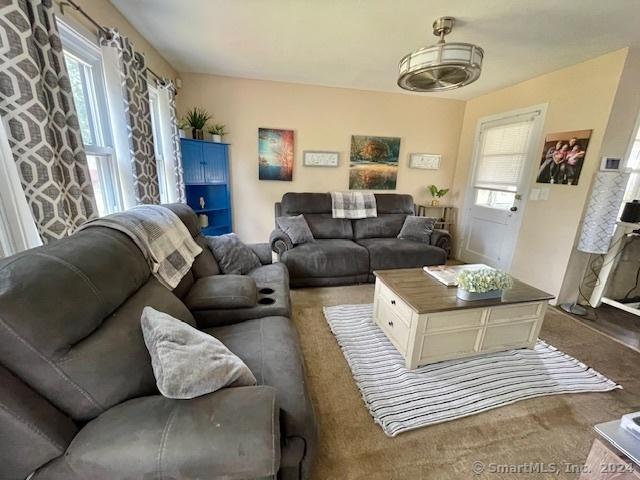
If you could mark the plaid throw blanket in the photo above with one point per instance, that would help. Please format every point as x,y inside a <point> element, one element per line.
<point>353,204</point>
<point>163,239</point>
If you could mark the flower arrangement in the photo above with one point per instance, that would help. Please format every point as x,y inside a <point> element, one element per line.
<point>484,280</point>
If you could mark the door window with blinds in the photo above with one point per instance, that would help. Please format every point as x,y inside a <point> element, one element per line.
<point>502,158</point>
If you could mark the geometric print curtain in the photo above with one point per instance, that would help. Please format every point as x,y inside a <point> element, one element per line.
<point>36,105</point>
<point>135,93</point>
<point>168,85</point>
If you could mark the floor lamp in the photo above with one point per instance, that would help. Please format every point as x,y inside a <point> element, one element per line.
<point>600,219</point>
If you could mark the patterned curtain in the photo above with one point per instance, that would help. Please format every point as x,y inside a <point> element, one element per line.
<point>175,138</point>
<point>36,105</point>
<point>135,93</point>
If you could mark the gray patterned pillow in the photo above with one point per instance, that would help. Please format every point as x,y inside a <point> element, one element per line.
<point>418,229</point>
<point>232,255</point>
<point>296,228</point>
<point>186,362</point>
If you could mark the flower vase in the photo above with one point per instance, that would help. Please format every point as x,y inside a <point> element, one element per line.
<point>471,296</point>
<point>196,133</point>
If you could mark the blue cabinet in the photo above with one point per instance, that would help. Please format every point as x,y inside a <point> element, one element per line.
<point>206,176</point>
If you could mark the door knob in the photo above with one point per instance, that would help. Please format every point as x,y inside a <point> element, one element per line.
<point>391,324</point>
<point>514,209</point>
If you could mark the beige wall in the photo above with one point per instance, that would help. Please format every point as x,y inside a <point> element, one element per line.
<point>578,97</point>
<point>323,119</point>
<point>106,14</point>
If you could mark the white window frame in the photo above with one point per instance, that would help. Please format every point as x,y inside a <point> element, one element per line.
<point>88,53</point>
<point>158,143</point>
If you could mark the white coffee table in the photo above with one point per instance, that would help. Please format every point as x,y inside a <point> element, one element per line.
<point>427,323</point>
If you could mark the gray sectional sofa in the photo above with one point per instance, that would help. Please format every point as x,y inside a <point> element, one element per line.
<point>78,393</point>
<point>348,251</point>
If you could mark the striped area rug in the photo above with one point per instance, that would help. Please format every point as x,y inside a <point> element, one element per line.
<point>400,399</point>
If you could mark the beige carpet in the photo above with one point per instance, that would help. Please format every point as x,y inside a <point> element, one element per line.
<point>556,429</point>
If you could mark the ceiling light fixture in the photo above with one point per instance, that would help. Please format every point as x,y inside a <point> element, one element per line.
<point>443,66</point>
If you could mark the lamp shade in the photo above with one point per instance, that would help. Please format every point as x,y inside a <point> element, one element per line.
<point>604,205</point>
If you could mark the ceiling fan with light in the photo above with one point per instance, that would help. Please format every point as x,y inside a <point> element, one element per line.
<point>443,66</point>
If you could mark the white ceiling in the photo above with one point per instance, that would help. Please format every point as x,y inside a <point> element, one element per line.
<point>358,43</point>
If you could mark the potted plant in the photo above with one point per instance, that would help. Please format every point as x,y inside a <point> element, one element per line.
<point>482,284</point>
<point>437,194</point>
<point>197,119</point>
<point>182,127</point>
<point>217,131</point>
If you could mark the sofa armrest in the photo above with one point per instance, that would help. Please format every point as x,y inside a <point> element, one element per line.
<point>263,251</point>
<point>280,241</point>
<point>233,433</point>
<point>442,239</point>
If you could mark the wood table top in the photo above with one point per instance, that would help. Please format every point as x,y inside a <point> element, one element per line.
<point>425,294</point>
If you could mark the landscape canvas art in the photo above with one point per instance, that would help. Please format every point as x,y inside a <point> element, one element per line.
<point>374,163</point>
<point>563,156</point>
<point>275,154</point>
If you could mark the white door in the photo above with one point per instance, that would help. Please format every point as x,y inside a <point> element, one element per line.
<point>504,156</point>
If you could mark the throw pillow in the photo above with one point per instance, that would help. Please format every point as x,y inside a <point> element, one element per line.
<point>296,228</point>
<point>418,229</point>
<point>232,255</point>
<point>186,362</point>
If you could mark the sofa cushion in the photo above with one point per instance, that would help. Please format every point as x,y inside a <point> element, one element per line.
<point>323,225</point>
<point>188,363</point>
<point>296,228</point>
<point>233,433</point>
<point>270,348</point>
<point>418,229</point>
<point>385,225</point>
<point>388,253</point>
<point>232,255</point>
<point>327,258</point>
<point>222,291</point>
<point>272,282</point>
<point>394,203</point>
<point>294,203</point>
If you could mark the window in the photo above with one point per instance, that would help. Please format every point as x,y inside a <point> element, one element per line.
<point>84,65</point>
<point>502,158</point>
<point>158,143</point>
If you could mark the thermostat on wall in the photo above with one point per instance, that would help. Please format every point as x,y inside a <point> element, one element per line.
<point>611,164</point>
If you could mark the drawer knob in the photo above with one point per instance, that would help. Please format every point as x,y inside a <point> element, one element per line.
<point>393,302</point>
<point>391,324</point>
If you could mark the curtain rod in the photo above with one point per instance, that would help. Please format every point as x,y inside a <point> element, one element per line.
<point>79,9</point>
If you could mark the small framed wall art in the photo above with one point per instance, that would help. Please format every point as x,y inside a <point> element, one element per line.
<point>320,159</point>
<point>425,161</point>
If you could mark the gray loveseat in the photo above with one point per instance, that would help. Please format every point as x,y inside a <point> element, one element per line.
<point>348,251</point>
<point>78,393</point>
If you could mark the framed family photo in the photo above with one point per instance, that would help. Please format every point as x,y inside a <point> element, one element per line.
<point>563,157</point>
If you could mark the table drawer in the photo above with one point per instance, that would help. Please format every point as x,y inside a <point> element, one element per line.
<point>508,336</point>
<point>513,313</point>
<point>454,320</point>
<point>393,326</point>
<point>395,303</point>
<point>442,346</point>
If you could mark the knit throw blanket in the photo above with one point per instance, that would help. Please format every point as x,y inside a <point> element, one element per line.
<point>160,235</point>
<point>353,205</point>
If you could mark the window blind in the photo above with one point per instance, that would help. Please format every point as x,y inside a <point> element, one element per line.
<point>503,153</point>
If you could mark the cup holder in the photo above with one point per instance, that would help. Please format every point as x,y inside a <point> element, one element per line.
<point>266,301</point>
<point>266,291</point>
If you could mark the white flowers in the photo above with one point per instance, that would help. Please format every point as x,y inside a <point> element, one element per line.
<point>484,280</point>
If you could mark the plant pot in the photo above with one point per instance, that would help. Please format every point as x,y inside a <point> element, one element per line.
<point>435,202</point>
<point>197,134</point>
<point>182,133</point>
<point>216,138</point>
<point>471,296</point>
